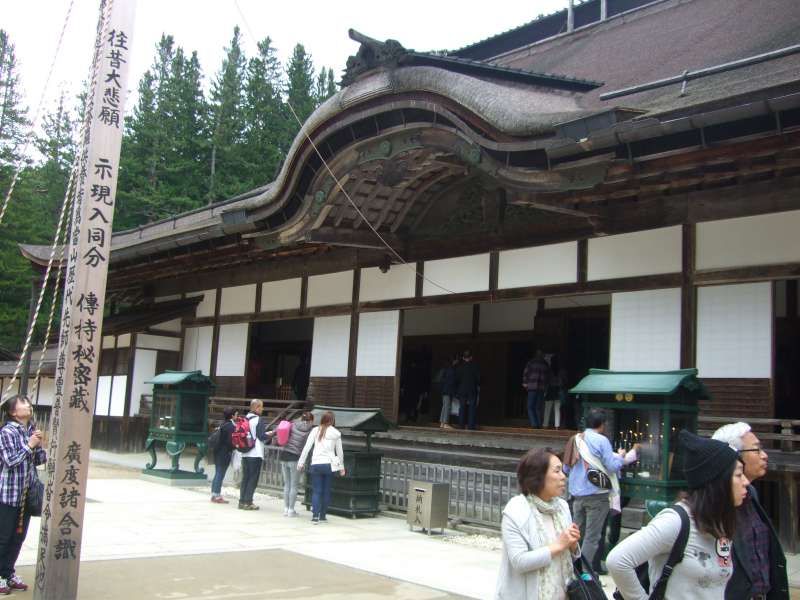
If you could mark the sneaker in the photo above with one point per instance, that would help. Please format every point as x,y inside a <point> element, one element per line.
<point>285,512</point>
<point>4,588</point>
<point>323,520</point>
<point>291,513</point>
<point>242,506</point>
<point>16,583</point>
<point>252,507</point>
<point>315,520</point>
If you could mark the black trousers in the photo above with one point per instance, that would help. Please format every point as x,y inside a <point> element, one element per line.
<point>251,469</point>
<point>10,540</point>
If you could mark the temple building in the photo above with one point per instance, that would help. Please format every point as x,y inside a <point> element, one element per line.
<point>617,184</point>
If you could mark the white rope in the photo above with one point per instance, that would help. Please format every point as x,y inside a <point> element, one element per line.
<point>59,227</point>
<point>95,67</point>
<point>29,137</point>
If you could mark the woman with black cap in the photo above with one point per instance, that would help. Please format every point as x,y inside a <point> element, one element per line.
<point>717,485</point>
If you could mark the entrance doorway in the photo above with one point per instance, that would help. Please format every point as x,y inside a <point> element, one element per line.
<point>502,337</point>
<point>280,357</point>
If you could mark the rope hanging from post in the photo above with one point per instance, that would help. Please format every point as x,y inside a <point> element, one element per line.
<point>53,248</point>
<point>20,163</point>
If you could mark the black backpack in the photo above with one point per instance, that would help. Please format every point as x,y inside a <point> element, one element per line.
<point>675,557</point>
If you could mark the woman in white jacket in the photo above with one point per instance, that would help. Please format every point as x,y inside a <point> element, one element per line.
<point>326,459</point>
<point>540,541</point>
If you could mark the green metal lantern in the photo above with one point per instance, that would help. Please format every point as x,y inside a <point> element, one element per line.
<point>646,408</point>
<point>179,418</point>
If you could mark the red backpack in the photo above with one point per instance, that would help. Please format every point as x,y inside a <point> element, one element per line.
<point>241,438</point>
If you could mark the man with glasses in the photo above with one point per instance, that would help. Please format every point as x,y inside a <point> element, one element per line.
<point>759,571</point>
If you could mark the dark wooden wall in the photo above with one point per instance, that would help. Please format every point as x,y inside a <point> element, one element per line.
<point>328,391</point>
<point>744,398</point>
<point>230,387</point>
<point>377,392</point>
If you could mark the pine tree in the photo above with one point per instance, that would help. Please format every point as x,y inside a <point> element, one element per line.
<point>331,84</point>
<point>13,115</point>
<point>266,127</point>
<point>227,124</point>
<point>300,86</point>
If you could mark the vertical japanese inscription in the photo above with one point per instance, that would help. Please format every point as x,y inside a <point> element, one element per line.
<point>80,341</point>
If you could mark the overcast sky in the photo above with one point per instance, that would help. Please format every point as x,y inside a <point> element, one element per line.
<point>207,26</point>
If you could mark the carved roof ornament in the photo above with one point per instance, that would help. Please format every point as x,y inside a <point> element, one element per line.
<point>372,54</point>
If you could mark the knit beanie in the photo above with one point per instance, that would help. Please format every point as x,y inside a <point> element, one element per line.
<point>704,459</point>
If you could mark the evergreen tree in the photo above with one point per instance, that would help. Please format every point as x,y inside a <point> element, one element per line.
<point>13,115</point>
<point>300,87</point>
<point>331,84</point>
<point>227,124</point>
<point>266,127</point>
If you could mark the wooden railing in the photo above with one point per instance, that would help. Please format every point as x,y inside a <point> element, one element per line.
<point>274,410</point>
<point>784,434</point>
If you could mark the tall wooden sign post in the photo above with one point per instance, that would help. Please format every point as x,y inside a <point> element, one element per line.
<point>81,338</point>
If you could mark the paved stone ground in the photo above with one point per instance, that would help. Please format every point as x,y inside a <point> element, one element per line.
<point>148,540</point>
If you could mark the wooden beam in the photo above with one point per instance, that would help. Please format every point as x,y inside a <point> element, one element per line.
<point>345,205</point>
<point>364,207</point>
<point>583,260</point>
<point>352,353</point>
<point>747,274</point>
<point>352,239</point>
<point>303,294</point>
<point>688,297</point>
<point>418,193</point>
<point>494,270</point>
<point>419,281</point>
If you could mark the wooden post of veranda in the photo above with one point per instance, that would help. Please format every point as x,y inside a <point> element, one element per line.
<point>81,338</point>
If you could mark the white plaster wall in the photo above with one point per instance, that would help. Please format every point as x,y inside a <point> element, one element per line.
<point>438,320</point>
<point>144,369</point>
<point>508,316</point>
<point>377,344</point>
<point>108,342</point>
<point>207,304</point>
<point>541,265</point>
<point>47,391</point>
<point>158,342</point>
<point>238,300</point>
<point>333,288</point>
<point>398,282</point>
<point>457,275</point>
<point>577,301</point>
<point>173,326</point>
<point>197,349</point>
<point>281,295</point>
<point>734,330</point>
<point>331,346</point>
<point>650,252</point>
<point>646,330</point>
<point>103,398</point>
<point>760,240</point>
<point>232,353</point>
<point>124,341</point>
<point>118,387</point>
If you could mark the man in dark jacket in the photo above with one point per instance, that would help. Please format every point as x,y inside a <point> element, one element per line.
<point>759,564</point>
<point>468,380</point>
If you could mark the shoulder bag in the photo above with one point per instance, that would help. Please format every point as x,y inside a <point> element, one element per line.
<point>585,586</point>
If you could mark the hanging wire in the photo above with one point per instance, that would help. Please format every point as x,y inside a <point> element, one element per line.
<point>359,212</point>
<point>20,163</point>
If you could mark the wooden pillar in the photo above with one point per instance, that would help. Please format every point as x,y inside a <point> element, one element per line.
<point>304,294</point>
<point>397,370</point>
<point>688,297</point>
<point>494,272</point>
<point>212,368</point>
<point>352,352</point>
<point>420,279</point>
<point>583,261</point>
<point>81,336</point>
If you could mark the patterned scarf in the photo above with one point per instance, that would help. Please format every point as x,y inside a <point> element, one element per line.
<point>550,584</point>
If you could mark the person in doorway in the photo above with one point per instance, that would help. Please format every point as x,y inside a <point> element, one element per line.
<point>717,486</point>
<point>327,458</point>
<point>468,381</point>
<point>591,505</point>
<point>448,387</point>
<point>555,399</point>
<point>222,454</point>
<point>759,564</point>
<point>289,457</point>
<point>536,379</point>
<point>300,378</point>
<point>540,541</point>
<point>20,452</point>
<point>252,459</point>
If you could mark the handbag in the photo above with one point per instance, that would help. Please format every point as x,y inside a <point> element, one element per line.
<point>35,497</point>
<point>585,586</point>
<point>598,478</point>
